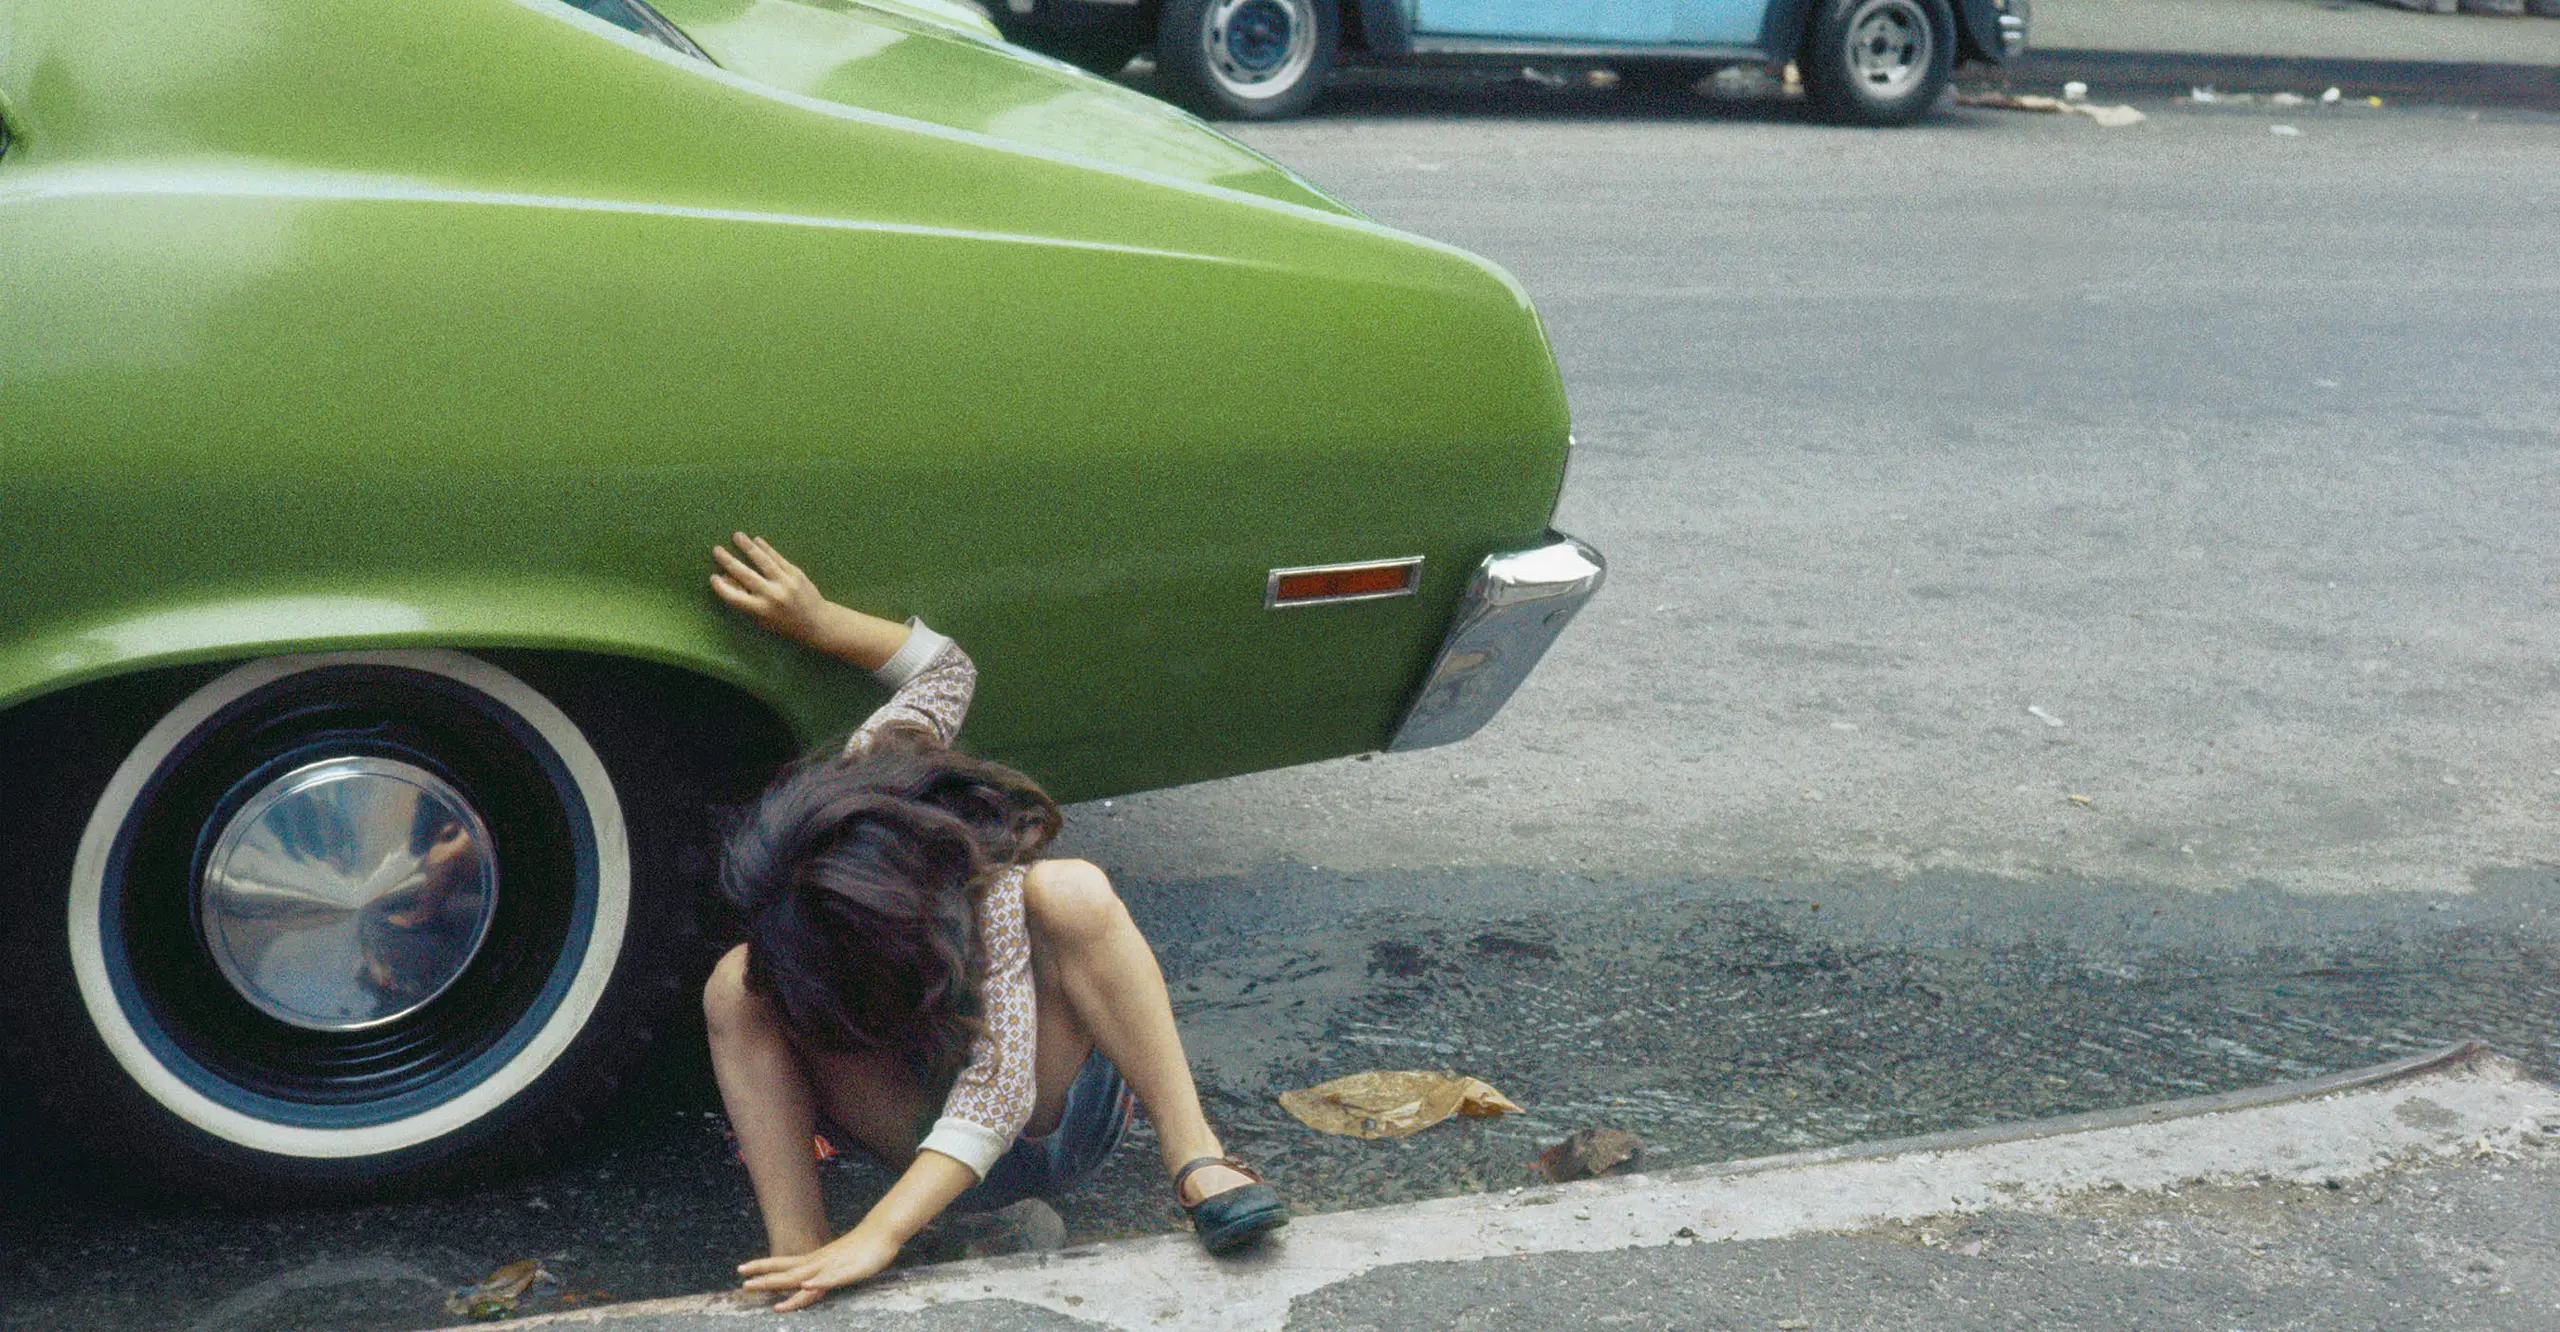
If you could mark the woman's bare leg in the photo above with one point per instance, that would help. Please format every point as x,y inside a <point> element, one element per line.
<point>773,1107</point>
<point>1064,1040</point>
<point>774,1088</point>
<point>1090,952</point>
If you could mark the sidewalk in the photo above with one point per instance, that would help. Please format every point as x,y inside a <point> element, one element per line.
<point>2425,1193</point>
<point>2168,46</point>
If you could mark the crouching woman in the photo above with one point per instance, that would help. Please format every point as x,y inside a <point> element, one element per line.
<point>919,979</point>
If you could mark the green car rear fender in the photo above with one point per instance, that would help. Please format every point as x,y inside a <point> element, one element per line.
<point>475,324</point>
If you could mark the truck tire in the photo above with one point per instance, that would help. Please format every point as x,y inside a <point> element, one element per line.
<point>1878,62</point>
<point>1247,59</point>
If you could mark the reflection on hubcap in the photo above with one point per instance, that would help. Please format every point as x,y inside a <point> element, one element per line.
<point>348,893</point>
<point>1260,48</point>
<point>1889,46</point>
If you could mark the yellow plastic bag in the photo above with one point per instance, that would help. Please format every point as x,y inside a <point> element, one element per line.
<point>1392,1104</point>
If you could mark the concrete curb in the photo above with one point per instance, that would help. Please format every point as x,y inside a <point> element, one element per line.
<point>2118,73</point>
<point>2450,1103</point>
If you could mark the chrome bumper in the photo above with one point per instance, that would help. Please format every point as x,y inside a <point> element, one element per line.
<point>1513,608</point>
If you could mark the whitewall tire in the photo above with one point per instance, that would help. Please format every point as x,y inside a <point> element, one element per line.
<point>341,921</point>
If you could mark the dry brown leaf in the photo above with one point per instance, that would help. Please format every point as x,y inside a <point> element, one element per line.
<point>1589,1152</point>
<point>495,1295</point>
<point>2112,117</point>
<point>1392,1104</point>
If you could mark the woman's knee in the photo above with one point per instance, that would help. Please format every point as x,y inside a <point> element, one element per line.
<point>1071,902</point>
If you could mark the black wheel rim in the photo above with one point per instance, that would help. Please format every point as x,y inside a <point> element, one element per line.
<point>1259,49</point>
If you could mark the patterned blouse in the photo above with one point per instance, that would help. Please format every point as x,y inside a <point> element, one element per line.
<point>992,1098</point>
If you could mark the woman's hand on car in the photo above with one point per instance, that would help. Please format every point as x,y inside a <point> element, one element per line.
<point>770,589</point>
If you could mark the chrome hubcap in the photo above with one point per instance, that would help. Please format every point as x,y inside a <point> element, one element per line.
<point>1260,48</point>
<point>348,893</point>
<point>1889,46</point>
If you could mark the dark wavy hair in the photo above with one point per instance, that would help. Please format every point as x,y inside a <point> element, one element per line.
<point>857,876</point>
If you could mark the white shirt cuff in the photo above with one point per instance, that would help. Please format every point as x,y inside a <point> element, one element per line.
<point>918,652</point>
<point>973,1145</point>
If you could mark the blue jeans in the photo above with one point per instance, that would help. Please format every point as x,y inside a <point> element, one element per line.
<point>1095,1118</point>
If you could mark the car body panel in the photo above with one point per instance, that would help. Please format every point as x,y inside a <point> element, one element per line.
<point>947,13</point>
<point>482,334</point>
<point>1598,21</point>
<point>1562,20</point>
<point>858,55</point>
<point>1720,21</point>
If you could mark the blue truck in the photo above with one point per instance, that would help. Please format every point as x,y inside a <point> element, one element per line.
<point>1875,62</point>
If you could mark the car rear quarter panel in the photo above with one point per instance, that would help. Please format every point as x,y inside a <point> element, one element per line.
<point>477,324</point>
<point>862,55</point>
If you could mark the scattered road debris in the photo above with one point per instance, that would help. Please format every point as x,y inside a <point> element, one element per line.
<point>2043,716</point>
<point>2208,96</point>
<point>2285,131</point>
<point>1393,1104</point>
<point>2083,802</point>
<point>1746,82</point>
<point>1028,1226</point>
<point>1587,1153</point>
<point>2112,117</point>
<point>495,1295</point>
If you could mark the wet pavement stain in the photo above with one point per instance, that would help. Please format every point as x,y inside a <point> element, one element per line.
<point>1716,1028</point>
<point>1715,1020</point>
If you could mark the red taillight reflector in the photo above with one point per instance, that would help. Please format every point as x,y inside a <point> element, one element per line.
<point>1343,582</point>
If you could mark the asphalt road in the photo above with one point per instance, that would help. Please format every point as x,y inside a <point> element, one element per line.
<point>2196,471</point>
<point>2230,454</point>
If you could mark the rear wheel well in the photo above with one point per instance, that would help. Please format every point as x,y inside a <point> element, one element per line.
<point>731,736</point>
<point>729,742</point>
<point>677,743</point>
<point>1354,27</point>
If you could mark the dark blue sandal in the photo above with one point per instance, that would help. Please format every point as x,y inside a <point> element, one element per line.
<point>1228,1221</point>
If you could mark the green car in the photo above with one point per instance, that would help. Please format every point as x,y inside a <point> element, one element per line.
<point>377,378</point>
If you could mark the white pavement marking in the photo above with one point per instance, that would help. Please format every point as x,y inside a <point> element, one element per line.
<point>2455,1105</point>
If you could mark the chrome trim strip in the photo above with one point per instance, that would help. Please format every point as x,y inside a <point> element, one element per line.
<point>1514,607</point>
<point>1433,45</point>
<point>1412,564</point>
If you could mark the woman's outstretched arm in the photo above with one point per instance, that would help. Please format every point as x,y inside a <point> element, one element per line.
<point>933,679</point>
<point>931,1181</point>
